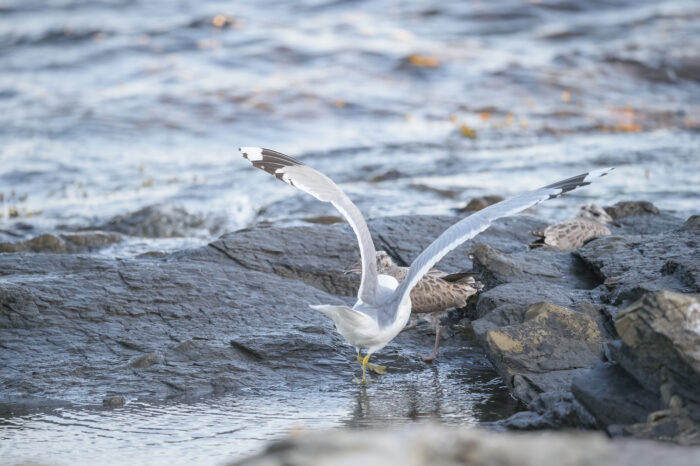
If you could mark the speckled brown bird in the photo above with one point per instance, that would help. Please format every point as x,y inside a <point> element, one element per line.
<point>573,233</point>
<point>434,295</point>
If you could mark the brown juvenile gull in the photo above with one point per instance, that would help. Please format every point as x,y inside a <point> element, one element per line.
<point>434,295</point>
<point>383,305</point>
<point>573,233</point>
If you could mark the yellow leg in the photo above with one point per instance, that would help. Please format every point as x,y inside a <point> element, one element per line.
<point>365,361</point>
<point>377,369</point>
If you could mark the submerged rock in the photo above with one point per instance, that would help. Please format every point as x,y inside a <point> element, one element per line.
<point>442,445</point>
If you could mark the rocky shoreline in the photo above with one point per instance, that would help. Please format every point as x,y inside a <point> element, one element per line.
<point>603,338</point>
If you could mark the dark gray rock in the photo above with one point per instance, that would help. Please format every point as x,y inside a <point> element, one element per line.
<point>629,266</point>
<point>397,236</point>
<point>507,304</point>
<point>651,390</point>
<point>162,221</point>
<point>64,243</point>
<point>692,224</point>
<point>667,428</point>
<point>641,218</point>
<point>551,410</point>
<point>114,402</point>
<point>539,268</point>
<point>662,331</point>
<point>544,353</point>
<point>481,202</point>
<point>225,317</point>
<point>614,397</point>
<point>446,446</point>
<point>73,327</point>
<point>631,209</point>
<point>285,252</point>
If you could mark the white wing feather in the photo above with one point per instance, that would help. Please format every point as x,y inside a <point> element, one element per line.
<point>471,226</point>
<point>317,184</point>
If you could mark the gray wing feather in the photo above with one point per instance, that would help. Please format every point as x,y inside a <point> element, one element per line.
<point>471,226</point>
<point>317,184</point>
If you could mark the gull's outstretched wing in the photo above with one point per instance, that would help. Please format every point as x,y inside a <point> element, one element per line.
<point>473,225</point>
<point>324,189</point>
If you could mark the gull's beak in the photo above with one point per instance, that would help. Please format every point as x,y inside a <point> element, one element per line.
<point>354,268</point>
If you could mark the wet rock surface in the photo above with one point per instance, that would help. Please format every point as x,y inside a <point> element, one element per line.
<point>221,318</point>
<point>228,316</point>
<point>441,445</point>
<point>550,317</point>
<point>650,390</point>
<point>162,221</point>
<point>64,243</point>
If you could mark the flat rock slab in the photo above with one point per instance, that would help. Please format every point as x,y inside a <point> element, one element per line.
<point>81,328</point>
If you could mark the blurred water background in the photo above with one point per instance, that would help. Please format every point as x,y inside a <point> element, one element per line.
<point>108,106</point>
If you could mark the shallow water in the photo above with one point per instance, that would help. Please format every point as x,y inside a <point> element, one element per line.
<point>411,106</point>
<point>216,430</point>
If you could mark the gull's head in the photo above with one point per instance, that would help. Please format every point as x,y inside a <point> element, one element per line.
<point>593,212</point>
<point>384,262</point>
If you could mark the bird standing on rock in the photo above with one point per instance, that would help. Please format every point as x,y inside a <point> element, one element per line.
<point>569,235</point>
<point>383,305</point>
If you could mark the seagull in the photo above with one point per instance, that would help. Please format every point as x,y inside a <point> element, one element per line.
<point>573,233</point>
<point>383,305</point>
<point>436,293</point>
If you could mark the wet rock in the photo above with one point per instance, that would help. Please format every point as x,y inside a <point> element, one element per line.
<point>405,237</point>
<point>651,389</point>
<point>63,244</point>
<point>285,252</point>
<point>631,208</point>
<point>663,331</point>
<point>480,202</point>
<point>442,445</point>
<point>215,319</point>
<point>84,323</point>
<point>641,218</point>
<point>532,266</point>
<point>113,402</point>
<point>614,397</point>
<point>668,428</point>
<point>162,221</point>
<point>147,360</point>
<point>692,224</point>
<point>631,265</point>
<point>552,410</point>
<point>545,352</point>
